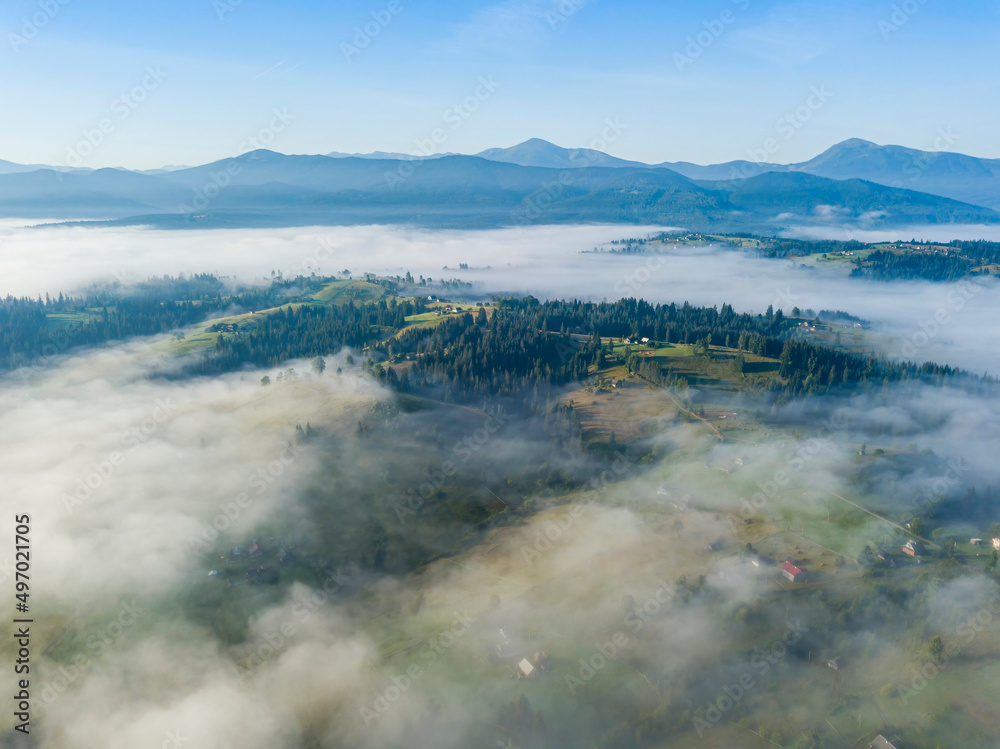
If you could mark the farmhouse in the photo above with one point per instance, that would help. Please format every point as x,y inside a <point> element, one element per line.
<point>914,549</point>
<point>881,742</point>
<point>996,544</point>
<point>793,573</point>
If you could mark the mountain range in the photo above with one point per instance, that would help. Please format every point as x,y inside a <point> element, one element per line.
<point>534,182</point>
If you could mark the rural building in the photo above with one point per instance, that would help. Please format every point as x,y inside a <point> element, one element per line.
<point>976,541</point>
<point>996,544</point>
<point>793,573</point>
<point>914,549</point>
<point>881,742</point>
<point>524,669</point>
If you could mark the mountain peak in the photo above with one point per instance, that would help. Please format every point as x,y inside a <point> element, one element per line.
<point>854,143</point>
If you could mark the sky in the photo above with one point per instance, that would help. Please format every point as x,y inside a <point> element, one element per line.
<point>143,85</point>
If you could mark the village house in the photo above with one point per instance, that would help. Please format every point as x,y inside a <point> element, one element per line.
<point>881,742</point>
<point>914,549</point>
<point>793,573</point>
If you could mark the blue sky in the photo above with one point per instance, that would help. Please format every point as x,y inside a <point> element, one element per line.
<point>191,81</point>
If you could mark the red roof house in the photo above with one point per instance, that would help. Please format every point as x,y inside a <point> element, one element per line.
<point>793,573</point>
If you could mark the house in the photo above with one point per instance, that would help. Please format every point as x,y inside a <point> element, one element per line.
<point>663,491</point>
<point>914,549</point>
<point>975,541</point>
<point>645,340</point>
<point>524,669</point>
<point>834,663</point>
<point>881,742</point>
<point>793,573</point>
<point>255,550</point>
<point>996,544</point>
<point>886,557</point>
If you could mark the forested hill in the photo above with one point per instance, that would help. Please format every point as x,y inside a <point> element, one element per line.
<point>521,346</point>
<point>525,346</point>
<point>526,343</point>
<point>932,262</point>
<point>34,331</point>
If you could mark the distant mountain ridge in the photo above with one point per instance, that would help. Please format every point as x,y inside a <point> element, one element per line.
<point>264,188</point>
<point>965,178</point>
<point>968,179</point>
